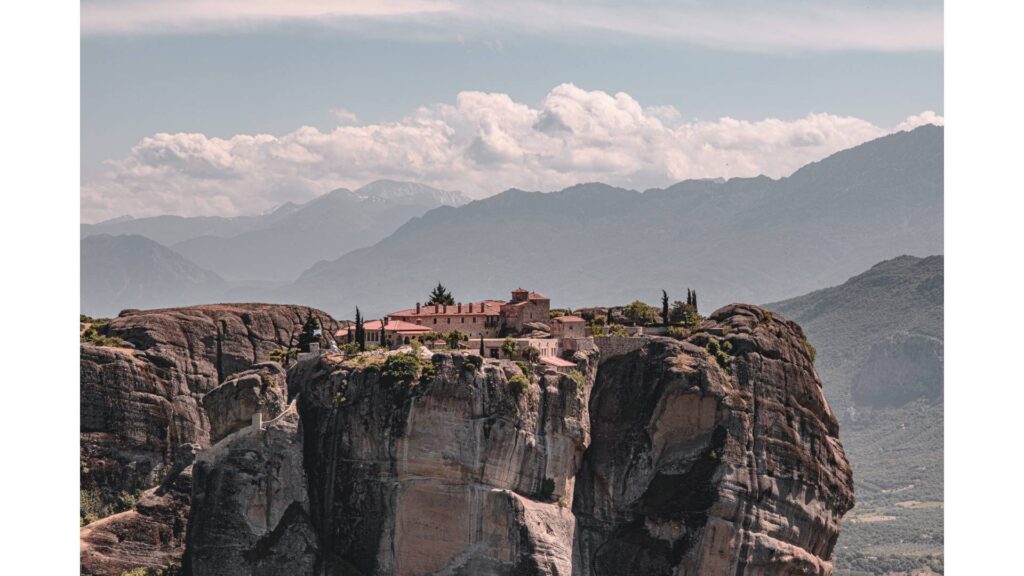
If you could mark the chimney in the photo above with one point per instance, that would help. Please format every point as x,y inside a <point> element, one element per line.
<point>445,306</point>
<point>437,308</point>
<point>385,320</point>
<point>460,307</point>
<point>417,307</point>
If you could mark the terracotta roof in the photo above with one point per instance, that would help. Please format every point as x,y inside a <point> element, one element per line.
<point>572,319</point>
<point>393,326</point>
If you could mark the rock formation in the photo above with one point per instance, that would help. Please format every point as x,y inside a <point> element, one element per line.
<point>459,472</point>
<point>151,535</point>
<point>142,401</point>
<point>716,455</point>
<point>709,455</point>
<point>250,512</point>
<point>230,406</point>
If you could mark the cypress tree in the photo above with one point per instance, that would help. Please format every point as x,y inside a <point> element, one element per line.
<point>383,334</point>
<point>664,308</point>
<point>695,302</point>
<point>481,346</point>
<point>360,331</point>
<point>306,337</point>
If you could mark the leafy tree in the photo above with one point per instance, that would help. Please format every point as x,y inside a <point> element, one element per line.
<point>481,346</point>
<point>519,384</point>
<point>640,313</point>
<point>383,335</point>
<point>453,338</point>
<point>404,368</point>
<point>664,308</point>
<point>509,347</point>
<point>440,295</point>
<point>531,354</point>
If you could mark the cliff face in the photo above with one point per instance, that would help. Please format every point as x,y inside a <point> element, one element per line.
<point>456,473</point>
<point>712,464</point>
<point>717,454</point>
<point>713,455</point>
<point>250,510</point>
<point>141,402</point>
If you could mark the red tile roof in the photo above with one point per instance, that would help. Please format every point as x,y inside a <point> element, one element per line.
<point>392,326</point>
<point>557,362</point>
<point>568,319</point>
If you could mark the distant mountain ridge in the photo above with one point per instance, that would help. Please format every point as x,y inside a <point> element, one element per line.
<point>277,246</point>
<point>742,240</point>
<point>132,271</point>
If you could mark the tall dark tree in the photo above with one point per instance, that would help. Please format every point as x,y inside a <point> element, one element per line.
<point>695,302</point>
<point>360,331</point>
<point>383,335</point>
<point>441,295</point>
<point>481,346</point>
<point>664,308</point>
<point>308,334</point>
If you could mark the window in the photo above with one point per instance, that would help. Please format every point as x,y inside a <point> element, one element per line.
<point>435,320</point>
<point>463,319</point>
<point>449,320</point>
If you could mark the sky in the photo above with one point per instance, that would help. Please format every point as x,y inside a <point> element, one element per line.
<point>221,107</point>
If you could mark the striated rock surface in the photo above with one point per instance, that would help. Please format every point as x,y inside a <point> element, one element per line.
<point>250,510</point>
<point>712,463</point>
<point>139,403</point>
<point>230,406</point>
<point>151,535</point>
<point>459,472</point>
<point>713,455</point>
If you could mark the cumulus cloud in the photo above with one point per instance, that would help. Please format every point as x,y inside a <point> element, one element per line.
<point>757,25</point>
<point>481,144</point>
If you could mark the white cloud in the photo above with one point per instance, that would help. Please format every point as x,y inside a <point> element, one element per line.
<point>754,25</point>
<point>482,144</point>
<point>926,117</point>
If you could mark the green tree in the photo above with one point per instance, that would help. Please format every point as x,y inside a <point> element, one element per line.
<point>360,331</point>
<point>440,295</point>
<point>509,347</point>
<point>481,346</point>
<point>308,334</point>
<point>640,313</point>
<point>383,335</point>
<point>664,308</point>
<point>453,338</point>
<point>531,354</point>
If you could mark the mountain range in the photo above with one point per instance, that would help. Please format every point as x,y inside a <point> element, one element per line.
<point>132,271</point>
<point>740,240</point>
<point>279,245</point>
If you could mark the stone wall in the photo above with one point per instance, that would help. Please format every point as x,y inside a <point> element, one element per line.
<point>613,346</point>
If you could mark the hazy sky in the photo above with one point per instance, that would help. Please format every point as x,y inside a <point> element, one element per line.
<point>228,107</point>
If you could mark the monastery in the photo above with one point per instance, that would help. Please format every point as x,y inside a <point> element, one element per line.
<point>525,318</point>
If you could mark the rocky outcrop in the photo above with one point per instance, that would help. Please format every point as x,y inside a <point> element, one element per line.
<point>711,455</point>
<point>230,406</point>
<point>250,510</point>
<point>715,455</point>
<point>140,402</point>
<point>466,468</point>
<point>151,535</point>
